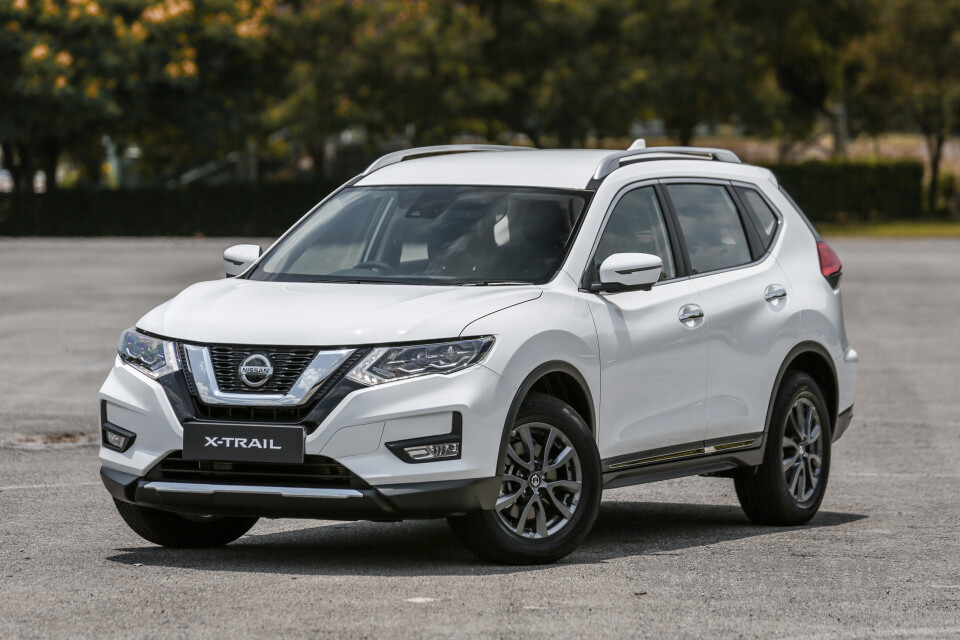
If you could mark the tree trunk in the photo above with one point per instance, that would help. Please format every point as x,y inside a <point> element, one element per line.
<point>24,179</point>
<point>6,150</point>
<point>784,150</point>
<point>935,149</point>
<point>534,137</point>
<point>50,156</point>
<point>318,152</point>
<point>841,135</point>
<point>685,135</point>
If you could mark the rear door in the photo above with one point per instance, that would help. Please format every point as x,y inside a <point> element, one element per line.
<point>749,324</point>
<point>653,366</point>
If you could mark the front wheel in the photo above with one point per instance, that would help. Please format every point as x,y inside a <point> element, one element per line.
<point>183,531</point>
<point>550,491</point>
<point>788,487</point>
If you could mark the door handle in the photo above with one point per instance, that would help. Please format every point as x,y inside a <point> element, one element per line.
<point>774,293</point>
<point>691,315</point>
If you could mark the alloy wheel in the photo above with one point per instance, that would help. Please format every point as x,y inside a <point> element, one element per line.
<point>542,482</point>
<point>802,450</point>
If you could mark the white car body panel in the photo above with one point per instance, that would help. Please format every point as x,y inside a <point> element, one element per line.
<point>654,369</point>
<point>748,339</point>
<point>232,311</point>
<point>559,169</point>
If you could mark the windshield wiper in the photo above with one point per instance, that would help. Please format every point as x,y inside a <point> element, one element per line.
<point>487,283</point>
<point>358,281</point>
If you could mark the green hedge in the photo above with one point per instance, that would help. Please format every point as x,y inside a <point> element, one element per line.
<point>827,191</point>
<point>855,191</point>
<point>228,210</point>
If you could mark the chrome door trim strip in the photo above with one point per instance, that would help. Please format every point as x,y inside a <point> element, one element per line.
<point>702,450</point>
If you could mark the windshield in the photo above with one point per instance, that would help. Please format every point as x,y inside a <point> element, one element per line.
<point>430,235</point>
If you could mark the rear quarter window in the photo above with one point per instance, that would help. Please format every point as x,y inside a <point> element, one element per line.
<point>763,216</point>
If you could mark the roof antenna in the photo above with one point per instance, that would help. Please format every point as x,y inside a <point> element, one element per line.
<point>639,143</point>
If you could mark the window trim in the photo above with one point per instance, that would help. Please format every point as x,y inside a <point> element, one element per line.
<point>589,276</point>
<point>777,215</point>
<point>728,184</point>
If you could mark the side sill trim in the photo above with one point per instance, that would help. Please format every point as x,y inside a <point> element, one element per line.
<point>703,449</point>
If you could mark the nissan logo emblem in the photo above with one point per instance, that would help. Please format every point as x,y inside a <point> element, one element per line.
<point>256,370</point>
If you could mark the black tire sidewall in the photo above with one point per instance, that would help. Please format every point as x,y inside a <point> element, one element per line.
<point>796,386</point>
<point>170,529</point>
<point>550,410</point>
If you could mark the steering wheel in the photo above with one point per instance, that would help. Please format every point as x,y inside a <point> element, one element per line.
<point>378,266</point>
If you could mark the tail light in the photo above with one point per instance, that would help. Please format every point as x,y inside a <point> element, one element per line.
<point>830,265</point>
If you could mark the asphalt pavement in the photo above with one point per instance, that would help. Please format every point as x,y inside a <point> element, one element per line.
<point>674,559</point>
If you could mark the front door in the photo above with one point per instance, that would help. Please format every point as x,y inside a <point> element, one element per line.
<point>653,365</point>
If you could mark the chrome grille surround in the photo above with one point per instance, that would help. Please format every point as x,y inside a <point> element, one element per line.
<point>205,375</point>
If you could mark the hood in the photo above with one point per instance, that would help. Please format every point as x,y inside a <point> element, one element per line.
<point>234,311</point>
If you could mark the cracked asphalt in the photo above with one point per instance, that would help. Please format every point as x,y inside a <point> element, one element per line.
<point>675,559</point>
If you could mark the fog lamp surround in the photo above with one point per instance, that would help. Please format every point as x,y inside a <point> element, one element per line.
<point>447,446</point>
<point>117,439</point>
<point>386,364</point>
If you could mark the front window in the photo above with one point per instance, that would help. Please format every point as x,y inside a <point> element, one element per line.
<point>430,235</point>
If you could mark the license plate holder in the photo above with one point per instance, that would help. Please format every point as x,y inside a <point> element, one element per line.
<point>243,442</point>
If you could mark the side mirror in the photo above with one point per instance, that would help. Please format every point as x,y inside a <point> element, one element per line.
<point>629,272</point>
<point>239,257</point>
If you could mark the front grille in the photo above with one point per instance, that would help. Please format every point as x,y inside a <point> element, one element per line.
<point>230,413</point>
<point>288,365</point>
<point>314,472</point>
<point>276,414</point>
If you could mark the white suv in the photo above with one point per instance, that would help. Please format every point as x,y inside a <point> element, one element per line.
<point>492,335</point>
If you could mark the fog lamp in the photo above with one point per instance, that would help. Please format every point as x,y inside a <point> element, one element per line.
<point>113,437</point>
<point>434,451</point>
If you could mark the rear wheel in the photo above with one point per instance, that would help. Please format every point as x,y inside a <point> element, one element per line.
<point>550,490</point>
<point>788,487</point>
<point>183,531</point>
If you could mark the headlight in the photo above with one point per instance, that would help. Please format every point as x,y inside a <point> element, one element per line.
<point>386,364</point>
<point>153,356</point>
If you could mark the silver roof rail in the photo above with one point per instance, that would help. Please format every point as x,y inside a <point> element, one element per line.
<point>617,159</point>
<point>439,150</point>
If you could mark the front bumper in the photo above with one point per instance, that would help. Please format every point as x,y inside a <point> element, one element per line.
<point>386,502</point>
<point>356,432</point>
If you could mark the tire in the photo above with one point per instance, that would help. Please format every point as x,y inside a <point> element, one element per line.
<point>554,518</point>
<point>779,491</point>
<point>185,532</point>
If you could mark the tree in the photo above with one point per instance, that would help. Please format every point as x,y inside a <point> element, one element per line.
<point>913,65</point>
<point>695,60</point>
<point>186,75</point>
<point>558,68</point>
<point>802,64</point>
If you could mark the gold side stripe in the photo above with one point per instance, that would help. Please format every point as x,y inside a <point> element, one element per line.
<point>669,456</point>
<point>734,445</point>
<point>683,454</point>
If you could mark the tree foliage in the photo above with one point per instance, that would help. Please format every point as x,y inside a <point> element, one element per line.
<point>191,80</point>
<point>184,75</point>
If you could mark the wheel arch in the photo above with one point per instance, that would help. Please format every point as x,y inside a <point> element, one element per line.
<point>813,359</point>
<point>556,378</point>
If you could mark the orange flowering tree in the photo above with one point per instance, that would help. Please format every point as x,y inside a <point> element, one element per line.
<point>185,74</point>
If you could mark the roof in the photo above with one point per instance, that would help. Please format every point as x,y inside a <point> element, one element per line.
<point>553,168</point>
<point>562,169</point>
